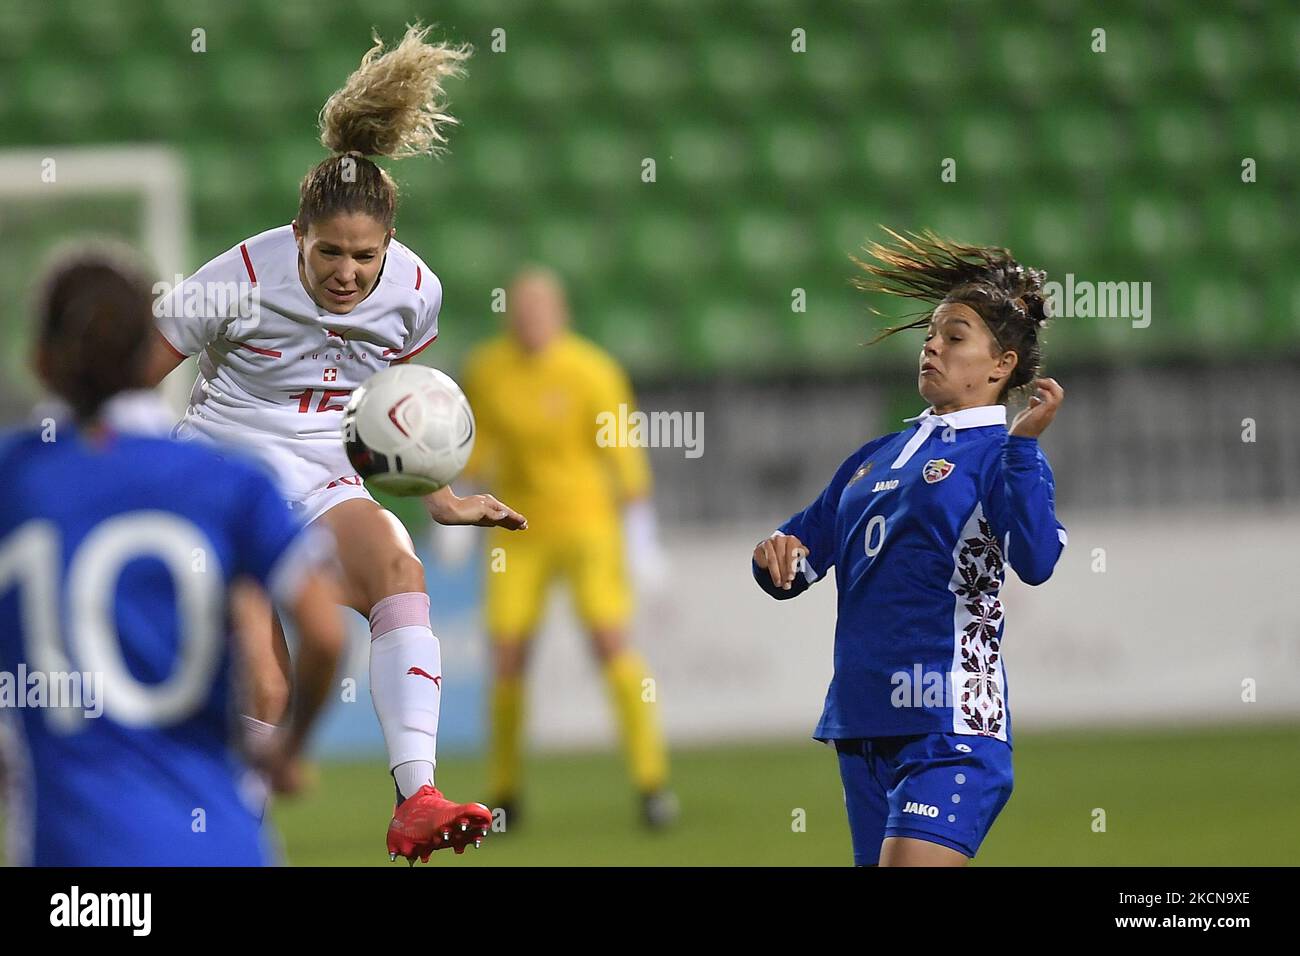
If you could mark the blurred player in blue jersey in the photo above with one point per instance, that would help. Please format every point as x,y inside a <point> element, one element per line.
<point>125,562</point>
<point>919,526</point>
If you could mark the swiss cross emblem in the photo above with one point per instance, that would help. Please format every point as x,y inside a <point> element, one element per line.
<point>331,375</point>
<point>936,469</point>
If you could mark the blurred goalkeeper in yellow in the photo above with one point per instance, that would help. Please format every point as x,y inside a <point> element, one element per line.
<point>536,392</point>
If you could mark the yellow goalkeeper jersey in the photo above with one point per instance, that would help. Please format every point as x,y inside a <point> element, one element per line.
<point>537,418</point>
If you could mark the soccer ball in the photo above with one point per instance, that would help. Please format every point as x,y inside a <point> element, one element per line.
<point>408,430</point>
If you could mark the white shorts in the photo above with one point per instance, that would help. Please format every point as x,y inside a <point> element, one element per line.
<point>314,504</point>
<point>306,507</point>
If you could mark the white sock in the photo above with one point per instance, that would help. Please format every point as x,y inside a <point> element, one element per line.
<point>411,776</point>
<point>405,686</point>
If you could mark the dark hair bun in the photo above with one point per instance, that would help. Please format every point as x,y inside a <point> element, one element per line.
<point>1038,308</point>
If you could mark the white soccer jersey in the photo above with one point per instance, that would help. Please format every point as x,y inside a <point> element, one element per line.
<point>275,369</point>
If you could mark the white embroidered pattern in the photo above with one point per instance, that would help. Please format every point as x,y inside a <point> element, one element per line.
<point>978,682</point>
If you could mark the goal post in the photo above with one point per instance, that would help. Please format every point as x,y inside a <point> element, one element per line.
<point>49,195</point>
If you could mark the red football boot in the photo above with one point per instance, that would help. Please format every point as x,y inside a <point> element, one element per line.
<point>428,821</point>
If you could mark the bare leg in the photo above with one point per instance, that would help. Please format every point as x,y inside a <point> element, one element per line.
<point>376,554</point>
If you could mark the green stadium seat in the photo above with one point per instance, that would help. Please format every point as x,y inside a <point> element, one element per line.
<point>326,70</point>
<point>766,18</point>
<point>1247,223</point>
<point>892,148</point>
<point>20,28</point>
<point>744,75</point>
<point>640,331</point>
<point>608,159</point>
<point>976,221</point>
<point>648,74</point>
<point>1268,132</point>
<point>986,143</point>
<point>1027,61</point>
<point>1282,310</point>
<point>1135,61</point>
<point>155,96</point>
<point>504,12</point>
<point>1218,52</point>
<point>575,245</point>
<point>173,23</point>
<point>107,27</point>
<point>545,76</point>
<point>246,93</point>
<point>1283,34</point>
<point>673,9</point>
<point>1218,312</point>
<point>475,252</point>
<point>1080,142</point>
<point>1182,138</point>
<point>673,246</point>
<point>771,242</point>
<point>502,161</point>
<point>772,166</point>
<point>843,229</point>
<point>803,155</point>
<point>1149,225</point>
<point>63,100</point>
<point>287,162</point>
<point>706,157</point>
<point>1054,231</point>
<point>284,25</point>
<point>737,332</point>
<point>835,68</point>
<point>227,182</point>
<point>926,65</point>
<point>11,108</point>
<point>567,9</point>
<point>833,333</point>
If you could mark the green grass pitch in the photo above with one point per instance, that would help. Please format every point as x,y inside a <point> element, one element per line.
<point>1226,796</point>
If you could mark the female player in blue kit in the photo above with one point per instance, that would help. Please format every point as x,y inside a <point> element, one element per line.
<point>919,526</point>
<point>129,563</point>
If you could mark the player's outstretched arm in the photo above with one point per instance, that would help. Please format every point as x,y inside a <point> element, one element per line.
<point>1023,507</point>
<point>163,360</point>
<point>779,563</point>
<point>800,551</point>
<point>1043,404</point>
<point>485,511</point>
<point>315,615</point>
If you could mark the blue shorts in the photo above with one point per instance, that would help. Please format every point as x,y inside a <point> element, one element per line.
<point>941,788</point>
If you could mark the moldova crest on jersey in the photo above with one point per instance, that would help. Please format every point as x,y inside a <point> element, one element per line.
<point>861,472</point>
<point>936,469</point>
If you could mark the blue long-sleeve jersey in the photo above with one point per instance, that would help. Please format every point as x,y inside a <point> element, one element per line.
<point>919,526</point>
<point>116,555</point>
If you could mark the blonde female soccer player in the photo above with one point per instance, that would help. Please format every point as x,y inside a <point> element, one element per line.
<point>538,392</point>
<point>286,324</point>
<point>920,525</point>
